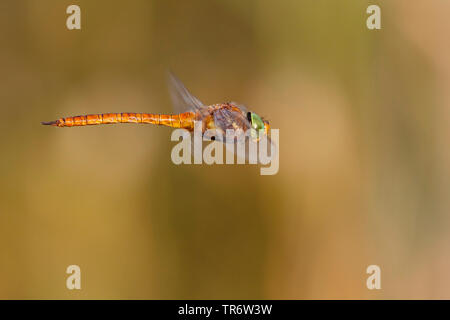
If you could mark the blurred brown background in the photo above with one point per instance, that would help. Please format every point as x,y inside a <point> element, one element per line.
<point>364,167</point>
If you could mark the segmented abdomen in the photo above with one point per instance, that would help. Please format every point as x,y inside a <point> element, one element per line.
<point>183,120</point>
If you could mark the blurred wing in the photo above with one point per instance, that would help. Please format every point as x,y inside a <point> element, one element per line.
<point>182,99</point>
<point>240,106</point>
<point>230,119</point>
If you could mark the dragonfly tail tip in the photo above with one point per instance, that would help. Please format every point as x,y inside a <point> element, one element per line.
<point>50,123</point>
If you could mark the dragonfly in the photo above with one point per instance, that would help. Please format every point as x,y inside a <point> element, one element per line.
<point>215,119</point>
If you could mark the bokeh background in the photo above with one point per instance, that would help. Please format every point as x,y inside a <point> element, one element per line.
<point>364,162</point>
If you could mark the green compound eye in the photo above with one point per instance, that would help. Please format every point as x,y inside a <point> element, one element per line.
<point>257,124</point>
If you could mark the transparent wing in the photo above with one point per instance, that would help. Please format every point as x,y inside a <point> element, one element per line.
<point>231,119</point>
<point>182,99</point>
<point>240,106</point>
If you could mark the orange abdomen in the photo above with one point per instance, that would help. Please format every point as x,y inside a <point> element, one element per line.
<point>183,120</point>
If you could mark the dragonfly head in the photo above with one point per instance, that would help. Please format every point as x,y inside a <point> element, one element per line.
<point>257,124</point>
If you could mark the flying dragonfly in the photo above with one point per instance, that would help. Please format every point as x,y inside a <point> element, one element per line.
<point>215,118</point>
